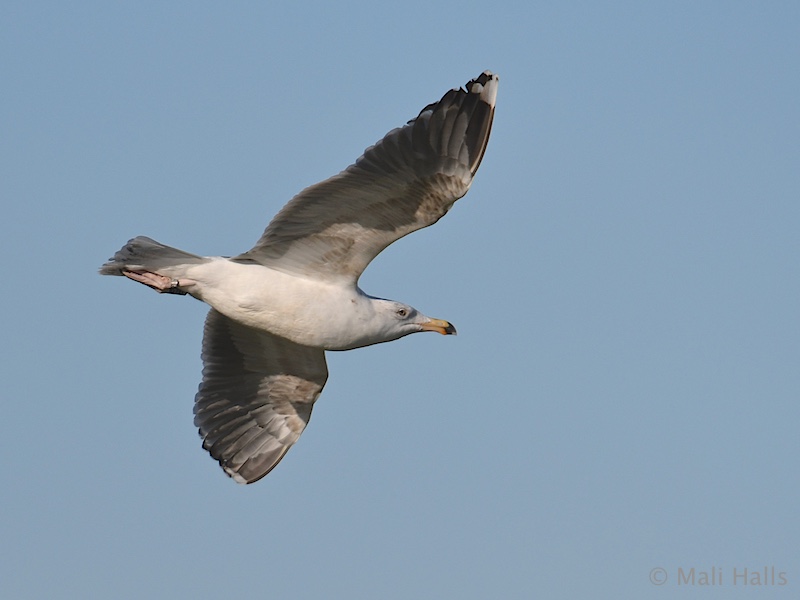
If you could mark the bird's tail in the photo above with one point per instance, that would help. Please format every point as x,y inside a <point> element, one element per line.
<point>144,254</point>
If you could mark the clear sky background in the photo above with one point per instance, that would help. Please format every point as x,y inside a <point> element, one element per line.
<point>623,392</point>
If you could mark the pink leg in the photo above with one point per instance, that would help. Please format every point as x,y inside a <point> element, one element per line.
<point>160,283</point>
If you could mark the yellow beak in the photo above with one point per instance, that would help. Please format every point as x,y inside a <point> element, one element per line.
<point>439,326</point>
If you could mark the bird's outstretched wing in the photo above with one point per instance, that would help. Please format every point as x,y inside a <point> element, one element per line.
<point>256,396</point>
<point>407,181</point>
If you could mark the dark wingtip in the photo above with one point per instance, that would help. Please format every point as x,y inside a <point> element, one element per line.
<point>485,85</point>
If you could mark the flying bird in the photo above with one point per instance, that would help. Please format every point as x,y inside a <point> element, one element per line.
<point>278,307</point>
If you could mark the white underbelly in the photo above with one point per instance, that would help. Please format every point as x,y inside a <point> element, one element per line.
<point>305,311</point>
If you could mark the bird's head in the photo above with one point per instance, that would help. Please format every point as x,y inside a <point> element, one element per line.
<point>398,320</point>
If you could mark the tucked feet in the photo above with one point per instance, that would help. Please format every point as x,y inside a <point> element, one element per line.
<point>160,283</point>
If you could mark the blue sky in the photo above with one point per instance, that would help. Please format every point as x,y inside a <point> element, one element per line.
<point>622,394</point>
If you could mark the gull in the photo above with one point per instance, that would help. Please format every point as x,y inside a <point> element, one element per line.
<point>277,308</point>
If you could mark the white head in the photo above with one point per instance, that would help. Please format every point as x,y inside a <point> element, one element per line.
<point>393,320</point>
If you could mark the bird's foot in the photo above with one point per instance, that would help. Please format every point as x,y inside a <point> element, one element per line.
<point>160,283</point>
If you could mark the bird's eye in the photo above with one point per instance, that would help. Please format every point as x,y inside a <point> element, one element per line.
<point>402,312</point>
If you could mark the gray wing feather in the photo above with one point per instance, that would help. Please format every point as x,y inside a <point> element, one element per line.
<point>407,181</point>
<point>256,397</point>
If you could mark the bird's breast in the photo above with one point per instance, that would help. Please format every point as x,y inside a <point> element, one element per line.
<point>306,311</point>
